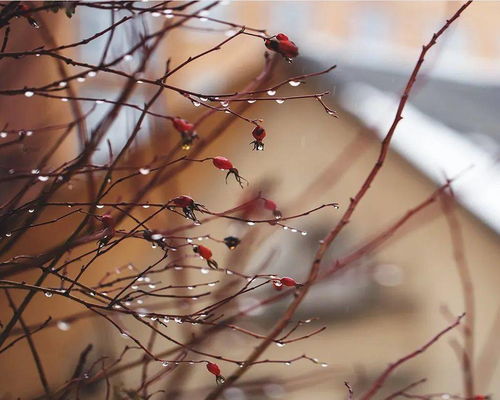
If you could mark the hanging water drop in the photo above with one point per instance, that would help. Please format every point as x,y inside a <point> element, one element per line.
<point>280,101</point>
<point>294,83</point>
<point>43,178</point>
<point>48,294</point>
<point>251,101</point>
<point>271,92</point>
<point>29,93</point>
<point>144,171</point>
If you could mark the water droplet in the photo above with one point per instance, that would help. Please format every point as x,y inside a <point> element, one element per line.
<point>92,74</point>
<point>141,315</point>
<point>165,363</point>
<point>195,103</point>
<point>117,306</point>
<point>169,16</point>
<point>128,57</point>
<point>251,101</point>
<point>285,228</point>
<point>28,133</point>
<point>324,365</point>
<point>8,234</point>
<point>178,320</point>
<point>204,271</point>
<point>189,240</point>
<point>31,210</point>
<point>154,318</point>
<point>224,103</point>
<point>303,233</point>
<point>294,230</point>
<point>63,84</point>
<point>229,272</point>
<point>63,326</point>
<point>64,99</point>
<point>99,101</point>
<point>151,286</point>
<point>3,135</point>
<point>294,83</point>
<point>140,301</point>
<point>145,206</point>
<point>178,268</point>
<point>99,206</point>
<point>271,92</point>
<point>35,171</point>
<point>288,363</point>
<point>155,14</point>
<point>43,178</point>
<point>124,335</point>
<point>156,236</point>
<point>330,112</point>
<point>29,93</point>
<point>80,79</point>
<point>280,344</point>
<point>250,223</point>
<point>280,101</point>
<point>190,287</point>
<point>11,171</point>
<point>48,294</point>
<point>134,287</point>
<point>144,171</point>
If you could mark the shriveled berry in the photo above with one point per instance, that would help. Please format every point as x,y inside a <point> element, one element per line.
<point>231,242</point>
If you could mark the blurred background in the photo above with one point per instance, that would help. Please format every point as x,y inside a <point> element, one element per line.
<point>380,308</point>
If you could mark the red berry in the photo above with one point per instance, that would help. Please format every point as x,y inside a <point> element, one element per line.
<point>183,201</point>
<point>222,163</point>
<point>213,368</point>
<point>270,205</point>
<point>281,36</point>
<point>182,125</point>
<point>259,133</point>
<point>203,251</point>
<point>288,49</point>
<point>107,220</point>
<point>288,281</point>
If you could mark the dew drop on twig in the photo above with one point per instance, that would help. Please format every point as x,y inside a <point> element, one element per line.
<point>294,83</point>
<point>271,92</point>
